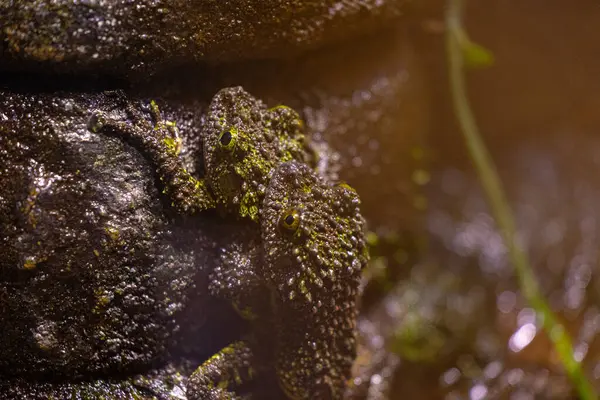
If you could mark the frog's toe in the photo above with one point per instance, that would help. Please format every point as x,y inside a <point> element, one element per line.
<point>221,374</point>
<point>102,122</point>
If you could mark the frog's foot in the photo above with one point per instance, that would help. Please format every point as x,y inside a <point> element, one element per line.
<point>222,373</point>
<point>166,126</point>
<point>160,144</point>
<point>235,278</point>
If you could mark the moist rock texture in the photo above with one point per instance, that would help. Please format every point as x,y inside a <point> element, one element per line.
<point>116,36</point>
<point>95,279</point>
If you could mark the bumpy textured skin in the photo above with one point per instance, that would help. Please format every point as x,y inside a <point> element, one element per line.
<point>315,271</point>
<point>299,287</point>
<point>237,174</point>
<point>262,139</point>
<point>225,370</point>
<point>159,141</point>
<point>81,236</point>
<point>310,269</point>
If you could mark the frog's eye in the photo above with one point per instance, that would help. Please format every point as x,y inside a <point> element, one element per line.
<point>228,138</point>
<point>290,220</point>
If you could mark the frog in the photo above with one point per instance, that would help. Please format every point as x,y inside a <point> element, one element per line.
<point>258,167</point>
<point>243,141</point>
<point>307,267</point>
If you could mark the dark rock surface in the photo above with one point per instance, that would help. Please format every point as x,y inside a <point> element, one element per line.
<point>96,278</point>
<point>118,36</point>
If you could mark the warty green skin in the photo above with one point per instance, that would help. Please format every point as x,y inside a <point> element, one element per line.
<point>315,270</point>
<point>237,170</point>
<point>261,139</point>
<point>310,268</point>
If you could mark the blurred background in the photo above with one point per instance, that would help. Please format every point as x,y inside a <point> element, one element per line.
<point>455,316</point>
<point>442,316</point>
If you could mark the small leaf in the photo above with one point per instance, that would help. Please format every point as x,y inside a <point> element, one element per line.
<point>475,55</point>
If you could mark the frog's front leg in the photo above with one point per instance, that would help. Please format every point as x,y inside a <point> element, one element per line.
<point>223,372</point>
<point>161,145</point>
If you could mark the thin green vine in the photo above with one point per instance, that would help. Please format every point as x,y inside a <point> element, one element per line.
<point>458,46</point>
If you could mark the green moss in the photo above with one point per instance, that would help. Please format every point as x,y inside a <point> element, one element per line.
<point>30,263</point>
<point>113,233</point>
<point>173,145</point>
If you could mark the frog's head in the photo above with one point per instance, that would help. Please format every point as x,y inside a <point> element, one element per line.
<point>243,142</point>
<point>315,249</point>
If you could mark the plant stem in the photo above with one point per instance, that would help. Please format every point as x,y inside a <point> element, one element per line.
<point>499,204</point>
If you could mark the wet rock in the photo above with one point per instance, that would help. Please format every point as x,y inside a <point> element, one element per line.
<point>96,277</point>
<point>118,37</point>
<point>166,383</point>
